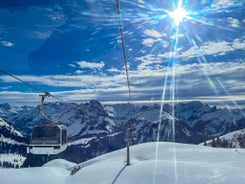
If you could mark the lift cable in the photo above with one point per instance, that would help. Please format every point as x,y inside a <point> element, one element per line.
<point>124,50</point>
<point>30,85</point>
<point>127,127</point>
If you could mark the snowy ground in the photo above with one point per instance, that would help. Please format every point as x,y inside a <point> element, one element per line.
<point>15,160</point>
<point>166,163</point>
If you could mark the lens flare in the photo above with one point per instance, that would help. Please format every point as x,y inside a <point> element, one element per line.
<point>178,15</point>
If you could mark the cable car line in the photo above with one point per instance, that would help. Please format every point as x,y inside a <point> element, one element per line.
<point>124,50</point>
<point>127,127</point>
<point>30,85</point>
<point>40,107</point>
<point>48,138</point>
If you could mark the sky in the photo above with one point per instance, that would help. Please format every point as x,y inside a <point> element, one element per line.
<point>177,51</point>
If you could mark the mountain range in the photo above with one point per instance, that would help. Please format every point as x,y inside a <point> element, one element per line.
<point>95,129</point>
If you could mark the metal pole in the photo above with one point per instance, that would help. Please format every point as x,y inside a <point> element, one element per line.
<point>128,152</point>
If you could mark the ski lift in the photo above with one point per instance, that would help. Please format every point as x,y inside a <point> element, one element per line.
<point>48,138</point>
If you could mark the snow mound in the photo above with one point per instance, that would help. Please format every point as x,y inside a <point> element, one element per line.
<point>60,163</point>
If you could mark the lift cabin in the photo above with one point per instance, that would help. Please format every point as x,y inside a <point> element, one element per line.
<point>48,139</point>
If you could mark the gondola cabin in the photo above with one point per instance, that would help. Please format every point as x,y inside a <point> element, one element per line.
<point>48,139</point>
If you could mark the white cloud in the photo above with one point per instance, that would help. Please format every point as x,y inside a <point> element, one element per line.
<point>19,98</point>
<point>149,41</point>
<point>191,83</point>
<point>78,72</point>
<point>72,65</point>
<point>148,60</point>
<point>91,65</point>
<point>226,3</point>
<point>151,61</point>
<point>6,87</point>
<point>153,33</point>
<point>238,44</point>
<point>114,70</point>
<point>211,48</point>
<point>190,53</point>
<point>7,44</point>
<point>83,81</point>
<point>233,22</point>
<point>154,37</point>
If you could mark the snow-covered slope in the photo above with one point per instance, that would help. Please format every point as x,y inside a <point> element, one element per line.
<point>234,139</point>
<point>9,135</point>
<point>4,125</point>
<point>150,163</point>
<point>12,145</point>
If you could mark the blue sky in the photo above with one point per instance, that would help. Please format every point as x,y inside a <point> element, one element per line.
<point>73,50</point>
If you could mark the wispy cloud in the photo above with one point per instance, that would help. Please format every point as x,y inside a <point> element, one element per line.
<point>209,48</point>
<point>214,81</point>
<point>226,3</point>
<point>150,41</point>
<point>91,65</point>
<point>233,22</point>
<point>6,88</point>
<point>81,81</point>
<point>41,35</point>
<point>7,44</point>
<point>154,37</point>
<point>154,33</point>
<point>238,44</point>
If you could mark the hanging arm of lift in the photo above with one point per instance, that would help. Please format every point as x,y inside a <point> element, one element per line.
<point>40,107</point>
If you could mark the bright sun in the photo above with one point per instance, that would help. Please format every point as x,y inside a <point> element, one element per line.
<point>178,15</point>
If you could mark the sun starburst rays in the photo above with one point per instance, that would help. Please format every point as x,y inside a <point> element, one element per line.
<point>178,15</point>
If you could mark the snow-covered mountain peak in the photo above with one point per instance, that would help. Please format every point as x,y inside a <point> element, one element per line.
<point>5,106</point>
<point>4,124</point>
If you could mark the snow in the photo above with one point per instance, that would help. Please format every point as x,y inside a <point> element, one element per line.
<point>9,141</point>
<point>81,141</point>
<point>230,137</point>
<point>15,159</point>
<point>156,163</point>
<point>234,134</point>
<point>61,163</point>
<point>5,124</point>
<point>75,128</point>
